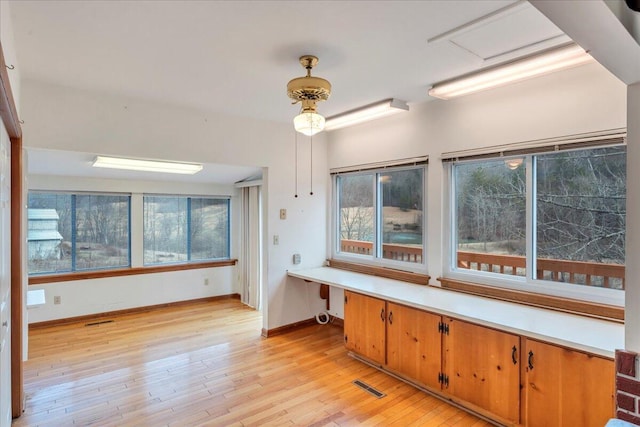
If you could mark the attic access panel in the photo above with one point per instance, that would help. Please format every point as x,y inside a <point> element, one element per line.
<point>516,32</point>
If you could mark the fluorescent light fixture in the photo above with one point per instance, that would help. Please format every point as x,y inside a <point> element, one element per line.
<point>546,62</point>
<point>366,113</point>
<point>146,165</point>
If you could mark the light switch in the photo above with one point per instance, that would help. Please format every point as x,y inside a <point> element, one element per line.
<point>276,239</point>
<point>283,214</point>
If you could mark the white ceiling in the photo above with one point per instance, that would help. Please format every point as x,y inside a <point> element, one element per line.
<point>65,163</point>
<point>237,56</point>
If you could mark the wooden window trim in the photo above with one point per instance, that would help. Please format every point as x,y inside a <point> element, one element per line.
<point>100,274</point>
<point>388,273</point>
<point>585,308</point>
<point>11,121</point>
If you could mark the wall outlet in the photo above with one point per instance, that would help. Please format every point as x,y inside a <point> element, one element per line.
<point>57,299</point>
<point>206,281</point>
<point>296,258</point>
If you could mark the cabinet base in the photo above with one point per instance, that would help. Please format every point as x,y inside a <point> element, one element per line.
<point>438,395</point>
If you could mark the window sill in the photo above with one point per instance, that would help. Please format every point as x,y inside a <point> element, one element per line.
<point>100,274</point>
<point>389,273</point>
<point>603,311</point>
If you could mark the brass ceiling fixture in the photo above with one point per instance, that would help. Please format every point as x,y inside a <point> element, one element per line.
<point>308,90</point>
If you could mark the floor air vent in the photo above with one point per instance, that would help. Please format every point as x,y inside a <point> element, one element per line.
<point>366,387</point>
<point>98,323</point>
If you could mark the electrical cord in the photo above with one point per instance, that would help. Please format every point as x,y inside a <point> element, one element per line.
<point>323,317</point>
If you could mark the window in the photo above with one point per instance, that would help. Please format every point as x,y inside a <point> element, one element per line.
<point>183,229</point>
<point>379,215</point>
<point>549,221</point>
<point>490,216</point>
<point>73,232</point>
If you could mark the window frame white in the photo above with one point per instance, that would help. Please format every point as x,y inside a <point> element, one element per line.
<point>525,283</point>
<point>376,258</point>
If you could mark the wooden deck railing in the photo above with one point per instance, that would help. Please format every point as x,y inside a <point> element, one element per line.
<point>408,253</point>
<point>578,272</point>
<point>505,264</point>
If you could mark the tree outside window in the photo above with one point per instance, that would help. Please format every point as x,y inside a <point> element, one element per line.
<point>73,232</point>
<point>182,229</point>
<point>577,216</point>
<point>380,214</point>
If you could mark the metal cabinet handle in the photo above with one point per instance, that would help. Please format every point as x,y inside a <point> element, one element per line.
<point>391,317</point>
<point>382,314</point>
<point>530,361</point>
<point>514,352</point>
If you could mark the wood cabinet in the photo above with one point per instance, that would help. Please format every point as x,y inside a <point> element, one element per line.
<point>564,387</point>
<point>414,343</point>
<point>510,378</point>
<point>365,326</point>
<point>482,367</point>
<point>404,339</point>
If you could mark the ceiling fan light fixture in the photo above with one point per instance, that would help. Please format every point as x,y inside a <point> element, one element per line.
<point>308,90</point>
<point>546,62</point>
<point>308,123</point>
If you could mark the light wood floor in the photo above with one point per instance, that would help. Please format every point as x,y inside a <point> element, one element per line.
<point>206,364</point>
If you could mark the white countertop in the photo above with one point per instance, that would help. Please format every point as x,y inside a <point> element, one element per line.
<point>595,336</point>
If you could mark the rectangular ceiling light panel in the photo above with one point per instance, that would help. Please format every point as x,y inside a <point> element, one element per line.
<point>366,113</point>
<point>547,62</point>
<point>146,165</point>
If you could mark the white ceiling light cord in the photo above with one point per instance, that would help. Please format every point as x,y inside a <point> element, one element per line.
<point>296,162</point>
<point>311,167</point>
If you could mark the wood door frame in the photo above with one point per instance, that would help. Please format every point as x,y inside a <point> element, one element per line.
<point>9,116</point>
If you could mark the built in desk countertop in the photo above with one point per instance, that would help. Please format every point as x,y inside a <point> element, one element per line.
<point>600,337</point>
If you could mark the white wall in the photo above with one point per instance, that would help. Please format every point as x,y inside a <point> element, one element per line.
<point>581,99</point>
<point>9,50</point>
<point>578,100</point>
<point>64,119</point>
<point>83,297</point>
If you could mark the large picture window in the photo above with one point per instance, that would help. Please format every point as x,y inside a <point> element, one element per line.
<point>379,215</point>
<point>539,218</point>
<point>183,229</point>
<point>74,232</point>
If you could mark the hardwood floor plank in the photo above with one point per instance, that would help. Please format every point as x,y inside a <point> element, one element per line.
<point>206,364</point>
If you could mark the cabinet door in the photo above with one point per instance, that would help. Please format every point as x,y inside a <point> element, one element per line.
<point>566,388</point>
<point>364,326</point>
<point>483,368</point>
<point>414,344</point>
